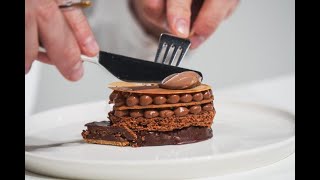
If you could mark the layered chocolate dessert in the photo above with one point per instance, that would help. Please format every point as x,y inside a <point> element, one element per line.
<point>179,110</point>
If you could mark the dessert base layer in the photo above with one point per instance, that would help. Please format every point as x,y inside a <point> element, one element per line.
<point>104,133</point>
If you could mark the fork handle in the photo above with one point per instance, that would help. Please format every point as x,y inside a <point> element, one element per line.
<point>94,59</point>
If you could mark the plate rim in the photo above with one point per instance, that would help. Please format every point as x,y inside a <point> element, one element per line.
<point>286,142</point>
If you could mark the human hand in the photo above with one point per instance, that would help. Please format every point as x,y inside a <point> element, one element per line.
<point>194,19</point>
<point>64,34</point>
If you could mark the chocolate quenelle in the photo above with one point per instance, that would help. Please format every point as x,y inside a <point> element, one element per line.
<point>179,110</point>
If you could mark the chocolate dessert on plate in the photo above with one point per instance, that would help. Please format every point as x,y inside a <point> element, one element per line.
<point>179,110</point>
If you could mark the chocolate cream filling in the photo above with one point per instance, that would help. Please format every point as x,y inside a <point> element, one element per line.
<point>164,112</point>
<point>133,99</point>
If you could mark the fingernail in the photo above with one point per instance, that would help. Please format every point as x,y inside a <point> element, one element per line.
<point>182,27</point>
<point>196,41</point>
<point>77,71</point>
<point>91,46</point>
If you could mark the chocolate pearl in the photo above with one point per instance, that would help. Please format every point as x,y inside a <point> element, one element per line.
<point>125,94</point>
<point>145,100</point>
<point>195,109</point>
<point>173,99</point>
<point>151,114</point>
<point>207,95</point>
<point>208,107</point>
<point>186,98</point>
<point>159,100</point>
<point>132,100</point>
<point>181,111</point>
<point>119,101</point>
<point>121,113</point>
<point>198,97</point>
<point>113,95</point>
<point>136,113</point>
<point>166,113</point>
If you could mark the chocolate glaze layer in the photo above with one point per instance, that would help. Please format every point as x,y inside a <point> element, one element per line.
<point>105,131</point>
<point>187,135</point>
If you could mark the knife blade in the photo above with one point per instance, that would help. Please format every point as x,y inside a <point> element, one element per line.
<point>136,70</point>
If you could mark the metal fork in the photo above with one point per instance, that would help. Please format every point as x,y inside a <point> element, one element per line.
<point>172,46</point>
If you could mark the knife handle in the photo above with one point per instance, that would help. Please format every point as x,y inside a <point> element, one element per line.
<point>94,59</point>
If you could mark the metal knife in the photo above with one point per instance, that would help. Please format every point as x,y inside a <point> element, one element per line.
<point>131,69</point>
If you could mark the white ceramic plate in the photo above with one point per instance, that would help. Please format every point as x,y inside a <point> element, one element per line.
<point>246,136</point>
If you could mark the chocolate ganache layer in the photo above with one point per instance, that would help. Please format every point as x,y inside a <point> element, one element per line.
<point>105,133</point>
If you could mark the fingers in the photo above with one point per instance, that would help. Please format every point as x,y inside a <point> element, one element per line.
<point>43,57</point>
<point>31,38</point>
<point>234,5</point>
<point>82,32</point>
<point>178,15</point>
<point>153,9</point>
<point>59,41</point>
<point>210,16</point>
<point>151,15</point>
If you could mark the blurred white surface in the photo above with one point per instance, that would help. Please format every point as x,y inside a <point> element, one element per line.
<point>257,42</point>
<point>31,88</point>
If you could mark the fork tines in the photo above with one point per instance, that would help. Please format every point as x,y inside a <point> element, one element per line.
<point>169,47</point>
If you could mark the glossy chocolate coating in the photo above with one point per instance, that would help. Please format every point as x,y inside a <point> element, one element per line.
<point>166,113</point>
<point>185,98</point>
<point>184,80</point>
<point>121,113</point>
<point>151,114</point>
<point>132,101</point>
<point>158,100</point>
<point>136,113</point>
<point>195,109</point>
<point>119,101</point>
<point>145,100</point>
<point>207,95</point>
<point>181,111</point>
<point>198,97</point>
<point>113,95</point>
<point>208,107</point>
<point>173,99</point>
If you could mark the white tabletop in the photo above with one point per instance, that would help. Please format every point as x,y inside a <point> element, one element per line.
<point>277,92</point>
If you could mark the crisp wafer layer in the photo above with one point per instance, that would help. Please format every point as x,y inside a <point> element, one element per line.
<point>144,88</point>
<point>106,142</point>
